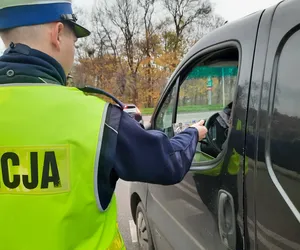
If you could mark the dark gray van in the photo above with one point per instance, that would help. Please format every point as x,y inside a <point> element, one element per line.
<point>243,189</point>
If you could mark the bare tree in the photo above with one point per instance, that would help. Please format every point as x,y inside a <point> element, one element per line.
<point>124,14</point>
<point>148,9</point>
<point>106,43</point>
<point>184,13</point>
<point>131,52</point>
<point>202,27</point>
<point>82,43</point>
<point>147,45</point>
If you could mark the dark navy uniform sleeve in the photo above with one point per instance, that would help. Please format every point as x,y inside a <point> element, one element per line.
<point>132,153</point>
<point>150,156</point>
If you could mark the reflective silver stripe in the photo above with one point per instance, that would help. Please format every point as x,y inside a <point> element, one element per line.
<point>112,128</point>
<point>42,80</point>
<point>96,167</point>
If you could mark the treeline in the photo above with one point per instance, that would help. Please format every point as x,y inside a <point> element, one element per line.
<point>136,44</point>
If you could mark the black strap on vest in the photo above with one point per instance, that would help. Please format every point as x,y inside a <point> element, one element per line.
<point>93,90</point>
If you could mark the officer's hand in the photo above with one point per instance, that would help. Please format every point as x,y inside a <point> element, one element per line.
<point>201,129</point>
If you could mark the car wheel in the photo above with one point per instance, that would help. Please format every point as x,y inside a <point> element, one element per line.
<point>143,229</point>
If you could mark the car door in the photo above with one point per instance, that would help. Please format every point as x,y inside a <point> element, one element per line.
<point>273,176</point>
<point>205,210</point>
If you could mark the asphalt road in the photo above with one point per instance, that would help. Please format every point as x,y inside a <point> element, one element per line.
<point>126,225</point>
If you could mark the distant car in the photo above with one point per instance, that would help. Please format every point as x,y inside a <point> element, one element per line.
<point>134,112</point>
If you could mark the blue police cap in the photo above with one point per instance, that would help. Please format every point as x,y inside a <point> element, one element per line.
<point>17,13</point>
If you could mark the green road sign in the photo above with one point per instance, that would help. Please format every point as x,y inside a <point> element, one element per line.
<point>209,82</point>
<point>203,72</point>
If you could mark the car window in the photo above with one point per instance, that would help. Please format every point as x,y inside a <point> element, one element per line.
<point>284,142</point>
<point>164,118</point>
<point>207,88</point>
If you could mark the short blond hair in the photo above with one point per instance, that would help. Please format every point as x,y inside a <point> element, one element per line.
<point>25,34</point>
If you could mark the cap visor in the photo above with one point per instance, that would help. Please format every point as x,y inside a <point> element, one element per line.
<point>80,31</point>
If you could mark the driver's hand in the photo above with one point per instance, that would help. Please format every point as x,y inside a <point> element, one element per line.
<point>201,129</point>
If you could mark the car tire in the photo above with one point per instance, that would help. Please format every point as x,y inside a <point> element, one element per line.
<point>143,230</point>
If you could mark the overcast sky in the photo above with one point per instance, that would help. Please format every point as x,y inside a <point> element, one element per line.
<point>229,9</point>
<point>234,9</point>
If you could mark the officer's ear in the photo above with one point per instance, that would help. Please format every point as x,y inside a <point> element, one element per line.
<point>56,34</point>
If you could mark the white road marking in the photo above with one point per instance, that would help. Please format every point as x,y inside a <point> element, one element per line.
<point>133,231</point>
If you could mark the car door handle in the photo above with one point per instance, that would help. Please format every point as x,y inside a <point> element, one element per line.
<point>226,219</point>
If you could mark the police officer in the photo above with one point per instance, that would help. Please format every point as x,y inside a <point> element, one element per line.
<point>61,150</point>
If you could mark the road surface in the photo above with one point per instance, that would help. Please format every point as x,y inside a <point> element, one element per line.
<point>126,225</point>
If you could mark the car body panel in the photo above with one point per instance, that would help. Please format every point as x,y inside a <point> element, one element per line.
<point>269,213</point>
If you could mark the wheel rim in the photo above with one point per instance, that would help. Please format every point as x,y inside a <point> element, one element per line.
<point>142,231</point>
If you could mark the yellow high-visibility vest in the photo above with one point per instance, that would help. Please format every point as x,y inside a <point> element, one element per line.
<point>50,139</point>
